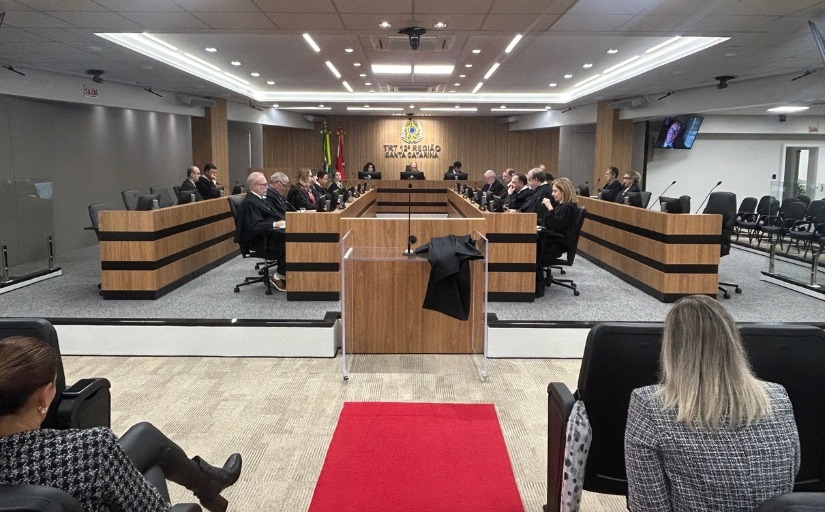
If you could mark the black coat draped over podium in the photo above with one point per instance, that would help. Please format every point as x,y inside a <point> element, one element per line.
<point>449,288</point>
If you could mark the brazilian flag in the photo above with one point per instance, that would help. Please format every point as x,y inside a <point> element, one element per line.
<point>327,151</point>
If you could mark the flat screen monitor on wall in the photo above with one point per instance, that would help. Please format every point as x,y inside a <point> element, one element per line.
<point>678,132</point>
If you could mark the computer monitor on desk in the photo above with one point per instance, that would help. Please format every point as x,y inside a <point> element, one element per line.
<point>412,175</point>
<point>148,202</point>
<point>679,204</point>
<point>364,175</point>
<point>455,176</point>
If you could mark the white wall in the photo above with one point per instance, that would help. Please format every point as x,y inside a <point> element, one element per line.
<point>577,152</point>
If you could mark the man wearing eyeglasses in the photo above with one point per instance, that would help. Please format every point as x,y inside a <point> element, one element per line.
<point>257,219</point>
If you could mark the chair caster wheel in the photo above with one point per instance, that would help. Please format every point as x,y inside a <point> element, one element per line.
<point>738,290</point>
<point>269,292</point>
<point>726,295</point>
<point>563,272</point>
<point>237,290</point>
<point>576,293</point>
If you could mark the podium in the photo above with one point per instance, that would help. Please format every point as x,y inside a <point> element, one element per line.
<point>382,300</point>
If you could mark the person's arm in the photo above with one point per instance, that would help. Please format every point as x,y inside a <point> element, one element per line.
<point>647,487</point>
<point>121,485</point>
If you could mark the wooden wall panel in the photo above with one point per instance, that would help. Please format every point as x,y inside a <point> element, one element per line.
<point>478,142</point>
<point>614,141</point>
<point>210,139</point>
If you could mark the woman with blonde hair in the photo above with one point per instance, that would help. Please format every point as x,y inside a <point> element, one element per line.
<point>301,194</point>
<point>710,436</point>
<point>558,219</point>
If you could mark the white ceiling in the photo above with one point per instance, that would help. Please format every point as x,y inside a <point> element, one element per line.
<point>767,37</point>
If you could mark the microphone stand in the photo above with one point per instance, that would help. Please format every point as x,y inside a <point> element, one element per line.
<point>410,238</point>
<point>660,195</point>
<point>707,196</point>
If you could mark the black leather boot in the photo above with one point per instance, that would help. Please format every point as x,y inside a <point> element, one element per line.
<point>212,481</point>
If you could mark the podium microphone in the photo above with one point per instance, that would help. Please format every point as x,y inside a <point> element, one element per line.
<point>660,195</point>
<point>707,196</point>
<point>410,238</point>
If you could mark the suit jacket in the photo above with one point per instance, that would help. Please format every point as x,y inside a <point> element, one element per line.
<point>517,200</point>
<point>319,192</point>
<point>610,190</point>
<point>255,219</point>
<point>623,192</point>
<point>496,188</point>
<point>207,188</point>
<point>278,203</point>
<point>187,188</point>
<point>333,186</point>
<point>449,288</point>
<point>671,467</point>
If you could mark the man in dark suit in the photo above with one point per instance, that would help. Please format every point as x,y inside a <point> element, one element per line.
<point>256,221</point>
<point>492,185</point>
<point>520,192</point>
<point>206,184</point>
<point>507,181</point>
<point>613,185</point>
<point>189,186</point>
<point>537,180</point>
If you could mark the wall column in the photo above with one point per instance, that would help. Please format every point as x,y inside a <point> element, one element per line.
<point>210,140</point>
<point>614,141</point>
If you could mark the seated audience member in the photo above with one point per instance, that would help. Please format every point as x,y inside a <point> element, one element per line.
<point>369,167</point>
<point>301,195</point>
<point>336,183</point>
<point>612,186</point>
<point>206,184</point>
<point>630,183</point>
<point>276,194</point>
<point>537,181</point>
<point>189,185</point>
<point>710,436</point>
<point>92,465</point>
<point>492,185</point>
<point>256,220</point>
<point>558,219</point>
<point>518,192</point>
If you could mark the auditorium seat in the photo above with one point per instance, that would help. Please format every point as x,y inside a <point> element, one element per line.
<point>130,199</point>
<point>620,357</point>
<point>768,205</point>
<point>777,226</point>
<point>724,204</point>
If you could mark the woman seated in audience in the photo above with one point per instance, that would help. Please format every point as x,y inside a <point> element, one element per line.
<point>336,183</point>
<point>630,183</point>
<point>557,219</point>
<point>98,470</point>
<point>301,194</point>
<point>710,436</point>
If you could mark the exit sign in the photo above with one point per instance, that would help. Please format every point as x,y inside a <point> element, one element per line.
<point>89,91</point>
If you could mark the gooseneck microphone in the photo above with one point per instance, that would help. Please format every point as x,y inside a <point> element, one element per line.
<point>410,238</point>
<point>660,195</point>
<point>707,196</point>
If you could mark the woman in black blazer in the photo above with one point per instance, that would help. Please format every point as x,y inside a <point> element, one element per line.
<point>559,219</point>
<point>630,182</point>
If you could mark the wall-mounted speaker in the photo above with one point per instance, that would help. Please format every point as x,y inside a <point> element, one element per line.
<point>314,119</point>
<point>640,101</point>
<point>196,101</point>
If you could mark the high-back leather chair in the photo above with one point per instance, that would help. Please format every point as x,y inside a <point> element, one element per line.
<point>571,243</point>
<point>724,204</point>
<point>130,199</point>
<point>620,357</point>
<point>167,196</point>
<point>768,205</point>
<point>247,251</point>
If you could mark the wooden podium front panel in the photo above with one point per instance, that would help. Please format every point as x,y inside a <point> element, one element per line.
<point>665,255</point>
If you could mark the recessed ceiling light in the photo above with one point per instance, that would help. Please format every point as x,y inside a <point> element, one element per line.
<point>553,84</point>
<point>568,76</point>
<point>274,105</point>
<point>612,51</point>
<point>433,69</point>
<point>476,51</point>
<point>788,109</point>
<point>356,64</point>
<point>492,70</point>
<point>255,74</point>
<point>362,75</point>
<point>366,106</point>
<point>321,106</point>
<point>440,24</point>
<point>503,106</point>
<point>462,76</point>
<point>513,43</point>
<point>452,91</point>
<point>385,24</point>
<point>95,48</point>
<point>236,63</point>
<point>347,86</point>
<point>731,54</point>
<point>468,65</point>
<point>210,49</point>
<point>548,107</point>
<point>457,84</point>
<point>311,43</point>
<point>331,67</point>
<point>367,83</point>
<point>270,82</point>
<point>412,106</point>
<point>348,50</point>
<point>587,65</point>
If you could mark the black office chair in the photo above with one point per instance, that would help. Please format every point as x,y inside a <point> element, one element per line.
<point>176,190</point>
<point>724,204</point>
<point>795,502</point>
<point>247,251</point>
<point>806,230</point>
<point>130,199</point>
<point>645,198</point>
<point>620,357</point>
<point>768,205</point>
<point>777,226</point>
<point>93,211</point>
<point>547,262</point>
<point>747,206</point>
<point>167,196</point>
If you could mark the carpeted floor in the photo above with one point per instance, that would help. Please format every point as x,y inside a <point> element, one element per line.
<point>281,413</point>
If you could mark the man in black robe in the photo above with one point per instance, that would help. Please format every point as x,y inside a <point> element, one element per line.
<point>261,226</point>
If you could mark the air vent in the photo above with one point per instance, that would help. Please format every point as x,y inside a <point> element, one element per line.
<point>412,87</point>
<point>402,43</point>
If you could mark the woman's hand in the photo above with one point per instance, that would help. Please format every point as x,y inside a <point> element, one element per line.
<point>547,203</point>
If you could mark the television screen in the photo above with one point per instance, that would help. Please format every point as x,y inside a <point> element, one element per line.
<point>455,176</point>
<point>678,132</point>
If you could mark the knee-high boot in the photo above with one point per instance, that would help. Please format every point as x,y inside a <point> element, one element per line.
<point>205,481</point>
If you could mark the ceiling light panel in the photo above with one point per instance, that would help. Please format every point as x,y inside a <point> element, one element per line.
<point>424,69</point>
<point>391,69</point>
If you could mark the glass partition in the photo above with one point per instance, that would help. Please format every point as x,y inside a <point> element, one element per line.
<point>382,296</point>
<point>26,232</point>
